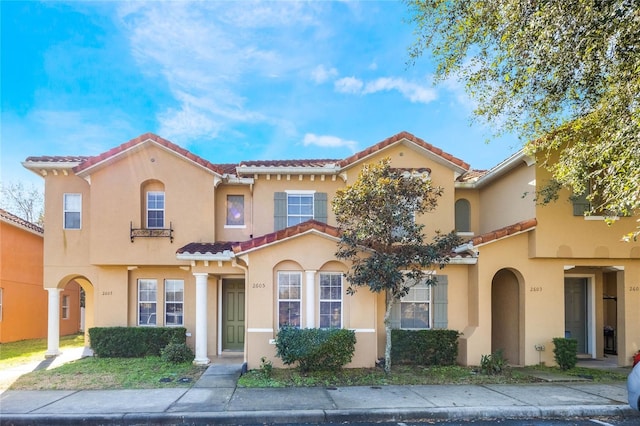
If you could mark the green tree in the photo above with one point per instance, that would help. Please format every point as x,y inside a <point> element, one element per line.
<point>381,238</point>
<point>563,75</point>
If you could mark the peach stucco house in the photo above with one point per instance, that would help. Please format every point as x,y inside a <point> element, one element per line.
<point>23,299</point>
<point>158,236</point>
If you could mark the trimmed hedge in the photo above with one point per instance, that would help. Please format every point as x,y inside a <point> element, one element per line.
<point>133,342</point>
<point>316,349</point>
<point>565,352</point>
<point>424,347</point>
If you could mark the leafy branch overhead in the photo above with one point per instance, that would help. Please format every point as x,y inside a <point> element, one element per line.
<point>564,75</point>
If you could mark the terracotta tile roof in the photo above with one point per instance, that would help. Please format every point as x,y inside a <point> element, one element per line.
<point>504,232</point>
<point>229,169</point>
<point>288,163</point>
<point>471,175</point>
<point>286,233</point>
<point>92,161</point>
<point>57,159</point>
<point>393,139</point>
<point>8,217</point>
<point>206,248</point>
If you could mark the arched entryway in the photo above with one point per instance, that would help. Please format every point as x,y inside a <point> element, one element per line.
<point>62,307</point>
<point>506,315</point>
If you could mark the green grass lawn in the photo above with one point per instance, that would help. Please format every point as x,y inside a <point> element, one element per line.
<point>111,373</point>
<point>152,372</point>
<point>25,351</point>
<point>414,375</point>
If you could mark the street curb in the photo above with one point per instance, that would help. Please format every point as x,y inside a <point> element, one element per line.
<point>320,416</point>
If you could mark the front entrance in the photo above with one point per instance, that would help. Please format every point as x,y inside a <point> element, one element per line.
<point>505,316</point>
<point>233,315</point>
<point>576,311</point>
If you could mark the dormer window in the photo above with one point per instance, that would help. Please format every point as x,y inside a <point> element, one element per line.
<point>155,209</point>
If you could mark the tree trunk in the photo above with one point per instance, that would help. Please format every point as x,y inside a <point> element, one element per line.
<point>387,327</point>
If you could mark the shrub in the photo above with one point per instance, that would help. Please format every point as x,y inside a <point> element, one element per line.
<point>565,352</point>
<point>493,363</point>
<point>266,367</point>
<point>177,353</point>
<point>316,349</point>
<point>133,342</point>
<point>424,347</point>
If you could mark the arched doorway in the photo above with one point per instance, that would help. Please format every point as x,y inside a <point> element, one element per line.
<point>64,310</point>
<point>505,315</point>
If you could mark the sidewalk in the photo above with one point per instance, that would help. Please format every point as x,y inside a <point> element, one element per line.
<point>214,399</point>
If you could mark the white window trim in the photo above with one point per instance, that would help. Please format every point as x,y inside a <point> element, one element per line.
<point>166,302</point>
<point>244,225</point>
<point>341,300</point>
<point>303,193</point>
<point>163,209</point>
<point>65,307</point>
<point>147,301</point>
<point>299,300</point>
<point>65,211</point>
<point>429,303</point>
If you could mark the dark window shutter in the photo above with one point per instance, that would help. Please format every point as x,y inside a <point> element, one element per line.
<point>580,204</point>
<point>440,301</point>
<point>280,210</point>
<point>320,207</point>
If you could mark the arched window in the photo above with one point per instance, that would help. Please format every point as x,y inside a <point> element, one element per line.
<point>153,204</point>
<point>463,215</point>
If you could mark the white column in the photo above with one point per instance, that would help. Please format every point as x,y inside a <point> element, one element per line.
<point>201,319</point>
<point>53,323</point>
<point>310,278</point>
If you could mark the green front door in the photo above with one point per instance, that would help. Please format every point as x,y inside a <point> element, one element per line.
<point>232,315</point>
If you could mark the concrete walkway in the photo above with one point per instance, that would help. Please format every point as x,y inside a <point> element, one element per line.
<point>215,399</point>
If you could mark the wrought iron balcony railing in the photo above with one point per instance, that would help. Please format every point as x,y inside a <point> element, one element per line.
<point>151,232</point>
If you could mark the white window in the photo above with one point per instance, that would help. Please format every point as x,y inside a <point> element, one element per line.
<point>65,307</point>
<point>299,208</point>
<point>72,209</point>
<point>289,298</point>
<point>415,308</point>
<point>235,210</point>
<point>147,292</point>
<point>155,209</point>
<point>330,300</point>
<point>174,302</point>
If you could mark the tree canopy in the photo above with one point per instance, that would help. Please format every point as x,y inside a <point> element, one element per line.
<point>563,75</point>
<point>381,237</point>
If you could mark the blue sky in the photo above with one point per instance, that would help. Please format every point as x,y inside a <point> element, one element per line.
<point>230,81</point>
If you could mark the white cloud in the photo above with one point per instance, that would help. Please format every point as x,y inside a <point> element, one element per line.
<point>209,52</point>
<point>414,92</point>
<point>320,74</point>
<point>349,85</point>
<point>326,141</point>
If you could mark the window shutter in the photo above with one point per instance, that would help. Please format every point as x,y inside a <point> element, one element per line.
<point>580,203</point>
<point>440,301</point>
<point>280,211</point>
<point>320,207</point>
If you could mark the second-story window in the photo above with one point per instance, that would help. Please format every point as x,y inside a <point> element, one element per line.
<point>155,209</point>
<point>299,208</point>
<point>72,211</point>
<point>235,210</point>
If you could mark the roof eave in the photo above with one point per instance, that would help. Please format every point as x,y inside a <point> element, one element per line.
<point>504,167</point>
<point>291,170</point>
<point>41,168</point>
<point>225,256</point>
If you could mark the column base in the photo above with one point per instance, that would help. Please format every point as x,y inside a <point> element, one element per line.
<point>201,361</point>
<point>52,354</point>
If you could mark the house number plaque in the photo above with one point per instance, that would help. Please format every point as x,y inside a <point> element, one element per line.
<point>258,285</point>
<point>107,293</point>
<point>537,289</point>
